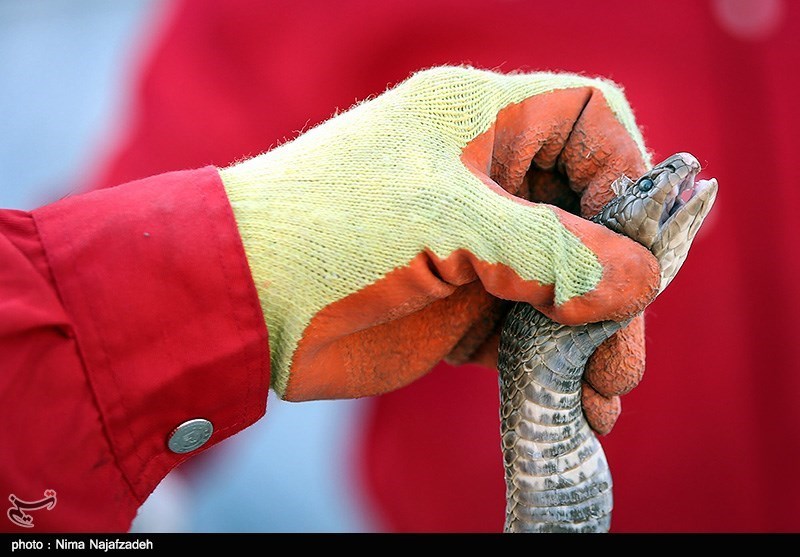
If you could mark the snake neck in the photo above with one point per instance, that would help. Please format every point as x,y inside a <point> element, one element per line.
<point>557,478</point>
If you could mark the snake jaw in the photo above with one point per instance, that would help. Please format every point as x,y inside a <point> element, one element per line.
<point>686,204</point>
<point>676,235</point>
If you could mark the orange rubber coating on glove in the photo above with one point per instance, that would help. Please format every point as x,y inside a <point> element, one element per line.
<point>617,365</point>
<point>601,412</point>
<point>395,330</point>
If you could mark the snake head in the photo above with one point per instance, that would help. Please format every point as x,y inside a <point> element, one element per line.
<point>662,210</point>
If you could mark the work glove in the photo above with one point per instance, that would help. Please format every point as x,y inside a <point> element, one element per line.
<point>393,235</point>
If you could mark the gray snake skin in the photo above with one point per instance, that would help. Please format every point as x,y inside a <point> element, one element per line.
<point>557,476</point>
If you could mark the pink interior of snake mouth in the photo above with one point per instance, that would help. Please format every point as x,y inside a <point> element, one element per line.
<point>686,190</point>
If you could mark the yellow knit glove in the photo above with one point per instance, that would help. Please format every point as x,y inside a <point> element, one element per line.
<point>381,240</point>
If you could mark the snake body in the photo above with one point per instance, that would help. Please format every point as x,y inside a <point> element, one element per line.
<point>557,476</point>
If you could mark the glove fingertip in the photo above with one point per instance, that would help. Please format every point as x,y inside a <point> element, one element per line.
<point>617,366</point>
<point>601,412</point>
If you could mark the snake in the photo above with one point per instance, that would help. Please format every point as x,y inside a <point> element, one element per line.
<point>556,473</point>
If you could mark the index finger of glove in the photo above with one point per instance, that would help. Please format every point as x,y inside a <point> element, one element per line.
<point>604,144</point>
<point>587,135</point>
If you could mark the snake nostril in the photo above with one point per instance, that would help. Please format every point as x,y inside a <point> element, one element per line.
<point>671,167</point>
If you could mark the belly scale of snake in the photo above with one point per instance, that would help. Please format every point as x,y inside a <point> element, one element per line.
<point>557,476</point>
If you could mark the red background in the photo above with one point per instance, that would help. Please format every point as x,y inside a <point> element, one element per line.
<point>709,440</point>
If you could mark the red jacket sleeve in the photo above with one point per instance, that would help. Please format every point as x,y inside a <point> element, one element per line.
<point>123,313</point>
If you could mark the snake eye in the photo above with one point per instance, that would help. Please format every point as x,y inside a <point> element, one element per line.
<point>645,184</point>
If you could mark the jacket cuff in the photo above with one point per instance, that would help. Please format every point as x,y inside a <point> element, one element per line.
<point>166,316</point>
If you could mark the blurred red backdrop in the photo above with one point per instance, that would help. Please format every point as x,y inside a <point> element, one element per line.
<point>709,440</point>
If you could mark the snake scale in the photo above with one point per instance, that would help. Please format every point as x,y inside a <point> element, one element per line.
<point>557,476</point>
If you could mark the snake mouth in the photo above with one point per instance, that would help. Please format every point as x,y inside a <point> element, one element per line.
<point>687,204</point>
<point>691,199</point>
<point>680,172</point>
<point>694,202</point>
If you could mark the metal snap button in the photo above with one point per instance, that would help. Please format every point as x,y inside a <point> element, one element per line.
<point>190,435</point>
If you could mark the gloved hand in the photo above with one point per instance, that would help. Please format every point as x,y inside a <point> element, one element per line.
<point>387,238</point>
